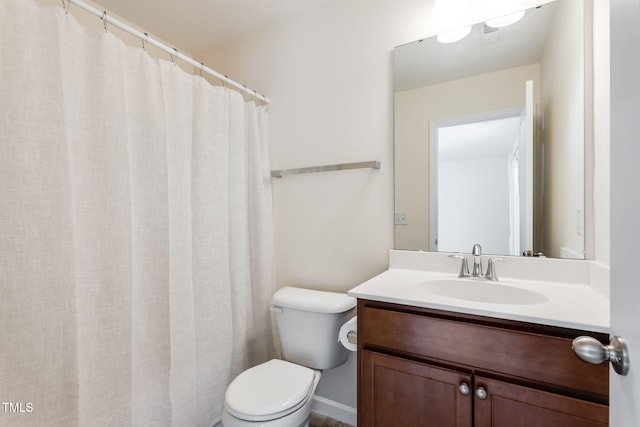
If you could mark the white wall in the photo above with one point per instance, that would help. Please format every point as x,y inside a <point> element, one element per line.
<point>328,73</point>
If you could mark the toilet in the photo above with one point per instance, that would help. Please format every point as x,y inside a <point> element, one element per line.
<point>278,393</point>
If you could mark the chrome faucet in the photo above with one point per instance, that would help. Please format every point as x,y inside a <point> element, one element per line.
<point>477,260</point>
<point>476,272</point>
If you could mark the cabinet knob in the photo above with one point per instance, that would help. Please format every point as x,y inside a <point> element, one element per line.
<point>464,389</point>
<point>481,393</point>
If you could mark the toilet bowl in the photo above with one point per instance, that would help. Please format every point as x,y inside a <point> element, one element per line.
<point>279,393</point>
<point>274,394</point>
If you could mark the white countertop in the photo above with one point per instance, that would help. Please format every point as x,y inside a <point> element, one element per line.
<point>569,305</point>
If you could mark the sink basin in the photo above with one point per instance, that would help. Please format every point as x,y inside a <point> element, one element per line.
<point>482,291</point>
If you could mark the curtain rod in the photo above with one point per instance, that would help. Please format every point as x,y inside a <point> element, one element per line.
<point>163,47</point>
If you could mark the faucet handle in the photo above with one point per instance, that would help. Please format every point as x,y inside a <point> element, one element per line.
<point>491,270</point>
<point>464,268</point>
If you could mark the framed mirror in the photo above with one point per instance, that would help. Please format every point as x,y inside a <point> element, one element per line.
<point>490,136</point>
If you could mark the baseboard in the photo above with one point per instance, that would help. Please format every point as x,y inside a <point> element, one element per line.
<point>337,411</point>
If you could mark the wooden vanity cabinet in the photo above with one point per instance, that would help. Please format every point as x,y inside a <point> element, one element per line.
<point>423,367</point>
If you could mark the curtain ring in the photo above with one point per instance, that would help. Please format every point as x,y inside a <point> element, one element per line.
<point>224,82</point>
<point>65,6</point>
<point>104,20</point>
<point>144,41</point>
<point>201,69</point>
<point>172,58</point>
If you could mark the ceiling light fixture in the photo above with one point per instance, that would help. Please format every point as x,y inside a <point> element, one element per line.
<point>455,35</point>
<point>505,20</point>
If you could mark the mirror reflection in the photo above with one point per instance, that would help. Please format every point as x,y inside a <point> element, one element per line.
<point>489,137</point>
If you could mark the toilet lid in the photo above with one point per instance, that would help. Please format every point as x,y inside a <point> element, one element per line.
<point>270,390</point>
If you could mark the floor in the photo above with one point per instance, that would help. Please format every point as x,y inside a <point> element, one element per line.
<point>318,420</point>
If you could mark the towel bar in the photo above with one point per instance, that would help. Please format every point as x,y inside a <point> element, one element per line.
<point>312,169</point>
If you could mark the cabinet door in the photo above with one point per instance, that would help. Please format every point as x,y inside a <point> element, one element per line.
<point>510,405</point>
<point>398,392</point>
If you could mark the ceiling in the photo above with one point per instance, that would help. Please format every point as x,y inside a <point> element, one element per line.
<point>194,26</point>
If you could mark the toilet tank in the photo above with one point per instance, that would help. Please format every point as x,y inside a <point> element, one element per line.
<point>308,322</point>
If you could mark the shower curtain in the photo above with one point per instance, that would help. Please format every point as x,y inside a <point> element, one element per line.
<point>136,260</point>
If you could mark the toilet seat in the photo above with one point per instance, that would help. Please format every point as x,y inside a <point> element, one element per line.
<point>268,391</point>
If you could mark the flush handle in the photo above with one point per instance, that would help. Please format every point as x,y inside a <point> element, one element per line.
<point>592,351</point>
